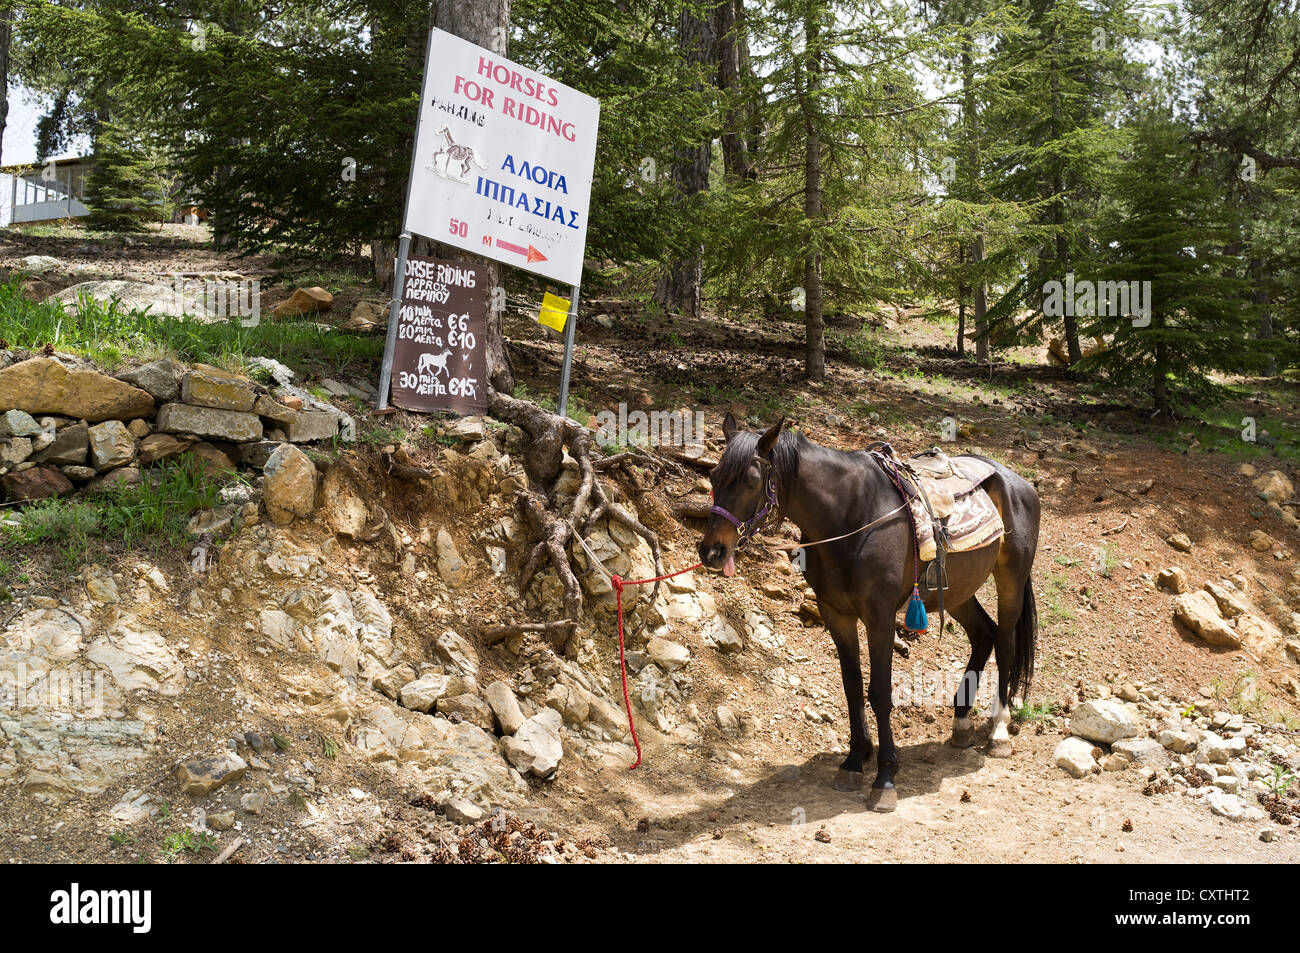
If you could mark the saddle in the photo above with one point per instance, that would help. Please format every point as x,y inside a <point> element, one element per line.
<point>950,509</point>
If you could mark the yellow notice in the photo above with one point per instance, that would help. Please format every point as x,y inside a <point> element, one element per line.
<point>554,312</point>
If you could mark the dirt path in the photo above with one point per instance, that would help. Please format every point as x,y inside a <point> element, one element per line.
<point>1019,810</point>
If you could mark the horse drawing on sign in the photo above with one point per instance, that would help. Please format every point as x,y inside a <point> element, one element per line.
<point>455,153</point>
<point>437,363</point>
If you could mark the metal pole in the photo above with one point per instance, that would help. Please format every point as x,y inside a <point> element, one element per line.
<point>390,342</point>
<point>569,327</point>
<point>403,245</point>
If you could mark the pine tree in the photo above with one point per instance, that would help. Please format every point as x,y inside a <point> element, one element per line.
<point>1164,232</point>
<point>133,180</point>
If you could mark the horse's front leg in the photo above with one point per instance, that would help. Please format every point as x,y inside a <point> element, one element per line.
<point>880,652</point>
<point>844,632</point>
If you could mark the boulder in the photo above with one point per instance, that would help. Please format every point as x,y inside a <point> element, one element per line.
<point>424,692</point>
<point>135,296</point>
<point>37,483</point>
<point>160,446</point>
<point>1142,751</point>
<point>113,479</point>
<point>536,747</point>
<point>206,386</point>
<point>669,656</point>
<point>1200,613</point>
<point>467,707</point>
<point>1104,720</point>
<point>1076,757</point>
<point>342,506</point>
<point>1230,605</point>
<point>1179,742</point>
<point>1180,542</point>
<point>18,423</point>
<point>1274,486</point>
<point>204,458</point>
<point>69,447</point>
<point>304,301</point>
<point>212,422</point>
<point>456,653</point>
<point>41,385</point>
<point>505,707</point>
<point>270,409</point>
<point>14,450</point>
<point>160,379</point>
<point>290,487</point>
<point>1172,580</point>
<point>200,776</point>
<point>40,264</point>
<point>1260,541</point>
<point>451,567</point>
<point>111,445</point>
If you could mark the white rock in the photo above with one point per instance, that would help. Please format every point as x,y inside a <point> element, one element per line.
<point>1076,756</point>
<point>536,748</point>
<point>1104,721</point>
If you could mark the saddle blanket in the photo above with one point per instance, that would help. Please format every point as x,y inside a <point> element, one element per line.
<point>959,502</point>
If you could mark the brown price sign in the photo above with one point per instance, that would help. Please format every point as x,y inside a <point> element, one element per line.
<point>440,356</point>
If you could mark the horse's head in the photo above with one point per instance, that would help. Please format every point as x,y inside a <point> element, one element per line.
<point>742,494</point>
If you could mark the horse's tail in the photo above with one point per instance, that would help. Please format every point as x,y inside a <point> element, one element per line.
<point>478,162</point>
<point>1022,662</point>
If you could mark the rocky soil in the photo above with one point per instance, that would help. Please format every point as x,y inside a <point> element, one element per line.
<point>328,673</point>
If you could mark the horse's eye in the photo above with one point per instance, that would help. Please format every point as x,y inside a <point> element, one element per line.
<point>754,477</point>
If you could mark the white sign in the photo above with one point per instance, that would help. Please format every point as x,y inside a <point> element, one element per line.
<point>503,161</point>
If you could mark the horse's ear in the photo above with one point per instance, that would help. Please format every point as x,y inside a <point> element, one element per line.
<point>729,426</point>
<point>768,440</point>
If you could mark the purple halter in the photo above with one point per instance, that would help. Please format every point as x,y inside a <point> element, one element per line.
<point>754,525</point>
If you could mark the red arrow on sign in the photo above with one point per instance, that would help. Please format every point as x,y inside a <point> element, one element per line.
<point>531,253</point>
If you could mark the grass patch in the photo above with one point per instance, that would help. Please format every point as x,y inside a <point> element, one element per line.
<point>1031,713</point>
<point>108,335</point>
<point>157,511</point>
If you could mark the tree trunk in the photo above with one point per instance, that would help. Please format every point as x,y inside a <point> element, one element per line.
<point>733,82</point>
<point>679,289</point>
<point>1160,392</point>
<point>487,23</point>
<point>815,325</point>
<point>971,127</point>
<point>1260,298</point>
<point>1058,213</point>
<point>6,27</point>
<point>961,301</point>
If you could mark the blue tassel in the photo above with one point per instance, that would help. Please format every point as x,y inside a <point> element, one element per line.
<point>915,620</point>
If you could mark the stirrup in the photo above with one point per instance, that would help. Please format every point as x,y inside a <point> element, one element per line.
<point>935,578</point>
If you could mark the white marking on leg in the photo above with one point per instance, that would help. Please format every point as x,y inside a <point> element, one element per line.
<point>960,725</point>
<point>1001,719</point>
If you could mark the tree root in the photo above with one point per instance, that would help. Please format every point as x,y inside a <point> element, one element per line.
<point>550,525</point>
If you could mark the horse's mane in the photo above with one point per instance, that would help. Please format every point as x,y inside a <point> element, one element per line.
<point>785,456</point>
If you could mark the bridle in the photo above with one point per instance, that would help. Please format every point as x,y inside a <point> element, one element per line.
<point>751,527</point>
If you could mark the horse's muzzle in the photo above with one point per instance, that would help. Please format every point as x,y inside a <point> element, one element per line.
<point>716,558</point>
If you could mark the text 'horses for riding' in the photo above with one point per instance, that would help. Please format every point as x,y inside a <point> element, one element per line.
<point>860,557</point>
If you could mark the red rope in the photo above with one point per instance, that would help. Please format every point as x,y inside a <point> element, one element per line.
<point>618,583</point>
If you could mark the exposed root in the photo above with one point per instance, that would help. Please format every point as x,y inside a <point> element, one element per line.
<point>550,524</point>
<point>494,634</point>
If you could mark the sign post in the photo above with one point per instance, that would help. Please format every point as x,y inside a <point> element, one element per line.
<point>503,164</point>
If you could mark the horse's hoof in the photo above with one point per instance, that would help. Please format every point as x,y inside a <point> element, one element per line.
<point>999,749</point>
<point>963,739</point>
<point>882,800</point>
<point>848,780</point>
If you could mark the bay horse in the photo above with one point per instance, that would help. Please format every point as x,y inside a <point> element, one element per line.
<point>867,576</point>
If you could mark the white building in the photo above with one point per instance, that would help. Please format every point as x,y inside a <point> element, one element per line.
<point>45,192</point>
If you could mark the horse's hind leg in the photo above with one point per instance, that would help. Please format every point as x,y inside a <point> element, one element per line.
<point>844,632</point>
<point>982,631</point>
<point>1011,592</point>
